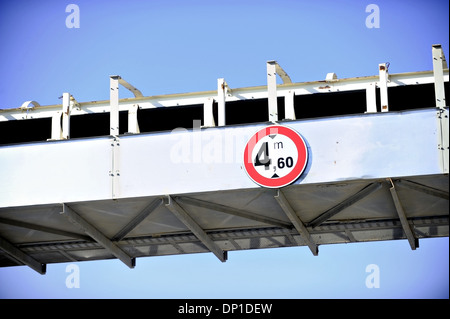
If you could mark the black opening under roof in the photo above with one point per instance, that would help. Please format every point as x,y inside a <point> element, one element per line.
<point>237,112</point>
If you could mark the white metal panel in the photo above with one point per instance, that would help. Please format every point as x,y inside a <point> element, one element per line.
<point>55,172</point>
<point>356,147</point>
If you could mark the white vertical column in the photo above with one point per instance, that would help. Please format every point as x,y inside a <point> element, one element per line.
<point>289,111</point>
<point>371,98</point>
<point>133,125</point>
<point>66,109</point>
<point>208,115</point>
<point>221,88</point>
<point>439,64</point>
<point>272,90</point>
<point>383,71</point>
<point>114,105</point>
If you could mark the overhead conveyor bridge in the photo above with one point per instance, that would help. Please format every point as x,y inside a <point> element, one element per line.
<point>164,175</point>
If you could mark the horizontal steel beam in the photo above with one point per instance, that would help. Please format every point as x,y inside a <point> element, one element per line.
<point>42,228</point>
<point>430,227</point>
<point>98,236</point>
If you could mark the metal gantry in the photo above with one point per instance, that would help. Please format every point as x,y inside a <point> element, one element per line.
<point>124,196</point>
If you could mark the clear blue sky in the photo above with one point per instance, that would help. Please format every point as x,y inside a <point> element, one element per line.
<point>164,47</point>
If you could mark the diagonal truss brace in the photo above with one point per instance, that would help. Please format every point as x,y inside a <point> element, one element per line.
<point>413,241</point>
<point>98,236</point>
<point>138,219</point>
<point>19,255</point>
<point>424,189</point>
<point>234,211</point>
<point>345,204</point>
<point>298,224</point>
<point>186,219</point>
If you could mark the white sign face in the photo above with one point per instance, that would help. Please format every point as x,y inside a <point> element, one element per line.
<point>275,156</point>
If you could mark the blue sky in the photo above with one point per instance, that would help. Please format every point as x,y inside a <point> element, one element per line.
<point>164,47</point>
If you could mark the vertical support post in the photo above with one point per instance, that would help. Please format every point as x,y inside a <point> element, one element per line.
<point>221,88</point>
<point>371,98</point>
<point>114,132</point>
<point>115,167</point>
<point>133,125</point>
<point>114,105</point>
<point>383,71</point>
<point>289,110</point>
<point>272,90</point>
<point>66,109</point>
<point>439,64</point>
<point>56,127</point>
<point>208,115</point>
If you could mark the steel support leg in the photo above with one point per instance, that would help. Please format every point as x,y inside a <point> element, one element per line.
<point>298,224</point>
<point>19,255</point>
<point>413,241</point>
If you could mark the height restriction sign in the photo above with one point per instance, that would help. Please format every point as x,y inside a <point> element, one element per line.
<point>275,156</point>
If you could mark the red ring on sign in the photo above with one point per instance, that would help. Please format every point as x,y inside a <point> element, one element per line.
<point>296,171</point>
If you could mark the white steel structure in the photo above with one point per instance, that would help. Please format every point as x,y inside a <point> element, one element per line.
<point>159,175</point>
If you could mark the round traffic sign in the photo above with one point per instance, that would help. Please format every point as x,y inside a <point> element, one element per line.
<point>275,156</point>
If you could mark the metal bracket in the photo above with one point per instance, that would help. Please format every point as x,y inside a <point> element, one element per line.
<point>26,105</point>
<point>131,88</point>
